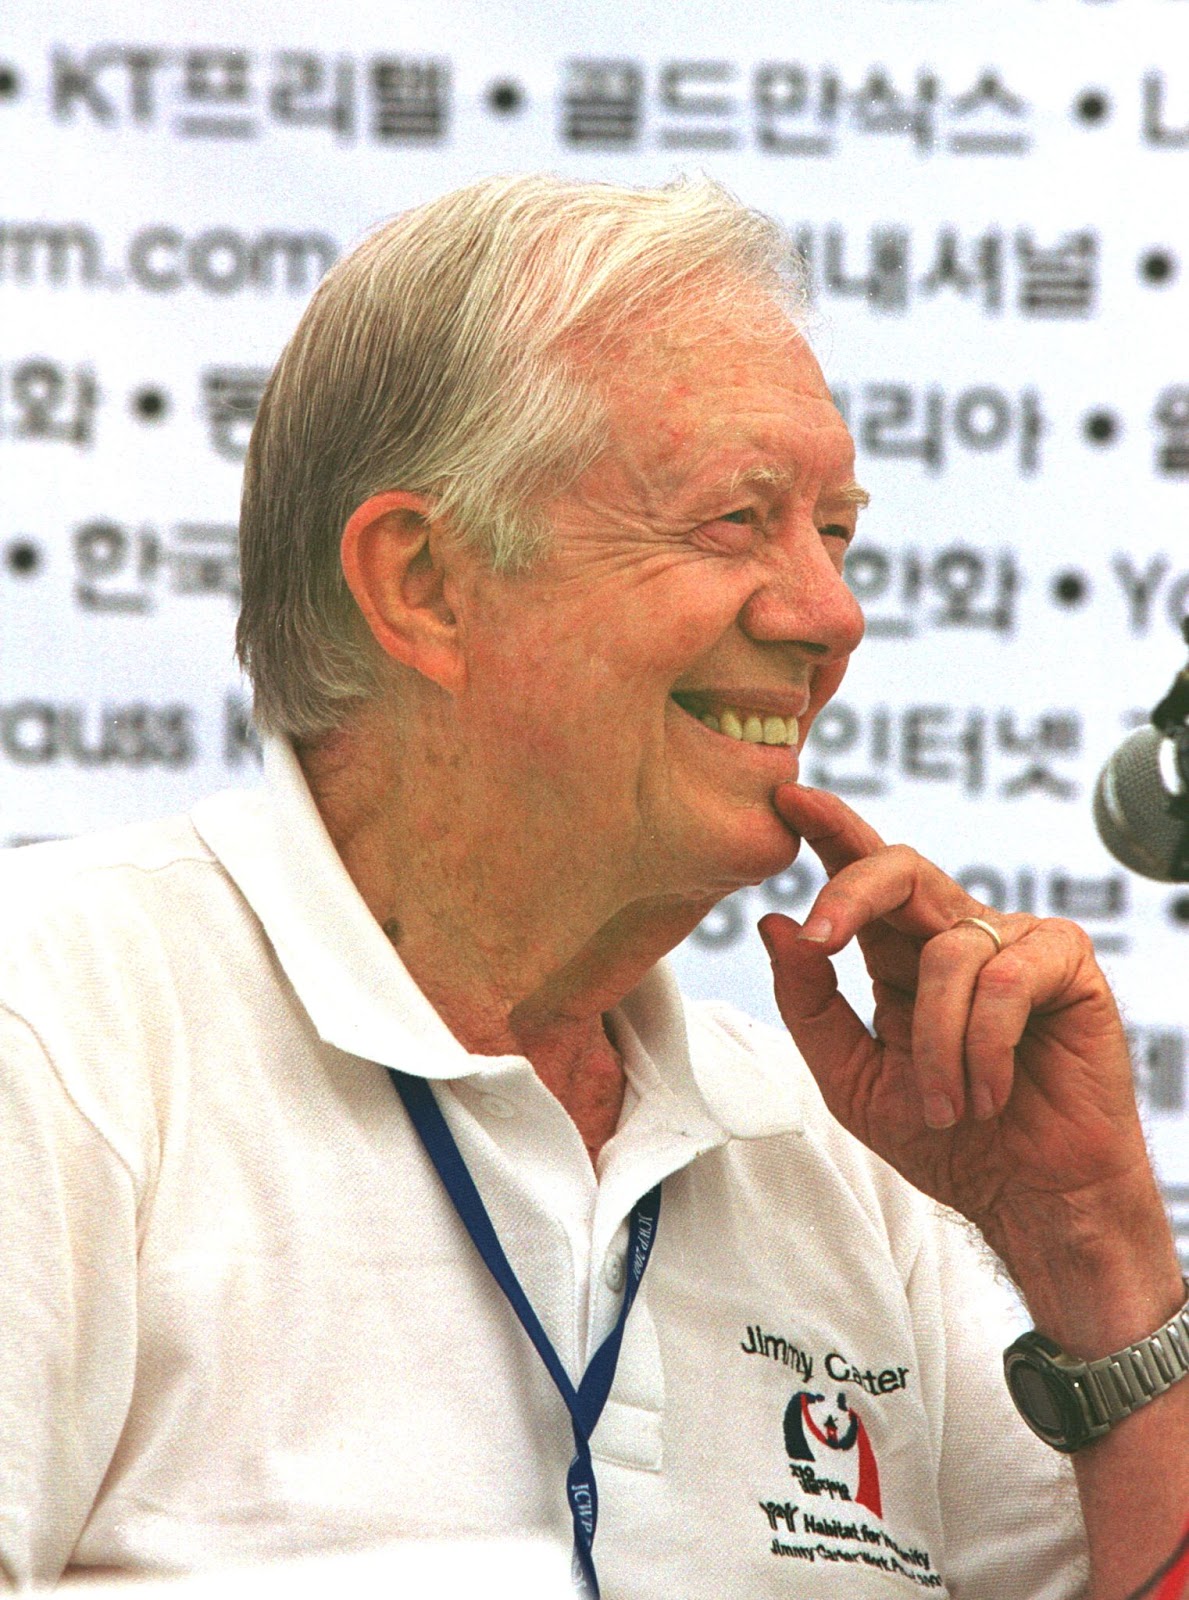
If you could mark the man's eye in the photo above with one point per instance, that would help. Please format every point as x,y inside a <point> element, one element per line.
<point>730,533</point>
<point>836,530</point>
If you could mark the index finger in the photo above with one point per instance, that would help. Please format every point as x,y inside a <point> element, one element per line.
<point>868,879</point>
<point>836,834</point>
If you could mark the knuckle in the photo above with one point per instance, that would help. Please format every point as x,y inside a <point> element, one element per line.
<point>904,857</point>
<point>1001,978</point>
<point>1076,936</point>
<point>1062,929</point>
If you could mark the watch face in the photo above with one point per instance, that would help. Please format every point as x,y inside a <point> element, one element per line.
<point>1039,1400</point>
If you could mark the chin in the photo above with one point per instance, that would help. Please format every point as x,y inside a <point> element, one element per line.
<point>757,847</point>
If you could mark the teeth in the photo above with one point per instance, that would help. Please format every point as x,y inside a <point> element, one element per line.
<point>753,729</point>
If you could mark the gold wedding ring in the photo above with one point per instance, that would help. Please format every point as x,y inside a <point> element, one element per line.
<point>977,922</point>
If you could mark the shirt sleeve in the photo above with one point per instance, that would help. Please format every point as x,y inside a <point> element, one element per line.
<point>1009,1503</point>
<point>67,1311</point>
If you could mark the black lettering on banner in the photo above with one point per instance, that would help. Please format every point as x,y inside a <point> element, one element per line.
<point>120,570</point>
<point>216,91</point>
<point>1172,420</point>
<point>49,402</point>
<point>1054,280</point>
<point>783,93</point>
<point>602,104</point>
<point>941,744</point>
<point>796,109</point>
<point>74,82</point>
<point>410,99</point>
<point>1156,130</point>
<point>219,261</point>
<point>690,90</point>
<point>224,261</point>
<point>1139,587</point>
<point>307,92</point>
<point>41,733</point>
<point>152,259</point>
<point>51,253</point>
<point>896,421</point>
<point>1058,280</point>
<point>230,398</point>
<point>966,267</point>
<point>958,586</point>
<point>987,119</point>
<point>76,86</point>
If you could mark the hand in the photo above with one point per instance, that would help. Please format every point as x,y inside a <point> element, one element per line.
<point>997,1082</point>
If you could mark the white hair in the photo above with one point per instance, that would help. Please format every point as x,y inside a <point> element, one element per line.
<point>455,354</point>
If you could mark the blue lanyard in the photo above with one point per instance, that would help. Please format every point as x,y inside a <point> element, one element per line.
<point>585,1404</point>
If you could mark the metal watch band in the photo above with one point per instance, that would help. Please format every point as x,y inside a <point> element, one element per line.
<point>1114,1386</point>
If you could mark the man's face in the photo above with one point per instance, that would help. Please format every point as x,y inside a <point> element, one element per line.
<point>695,572</point>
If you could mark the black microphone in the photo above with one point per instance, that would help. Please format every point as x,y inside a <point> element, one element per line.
<point>1141,801</point>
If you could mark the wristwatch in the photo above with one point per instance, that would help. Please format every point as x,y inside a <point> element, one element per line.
<point>1070,1403</point>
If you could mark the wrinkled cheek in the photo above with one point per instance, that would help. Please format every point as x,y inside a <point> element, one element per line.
<point>549,737</point>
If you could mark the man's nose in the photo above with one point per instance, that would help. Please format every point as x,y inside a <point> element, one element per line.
<point>804,599</point>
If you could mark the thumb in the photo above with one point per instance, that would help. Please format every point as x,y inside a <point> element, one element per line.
<point>824,1027</point>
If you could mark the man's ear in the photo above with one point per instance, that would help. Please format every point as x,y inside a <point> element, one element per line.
<point>395,560</point>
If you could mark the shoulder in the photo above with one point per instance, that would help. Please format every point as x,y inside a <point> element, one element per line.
<point>70,867</point>
<point>99,940</point>
<point>75,908</point>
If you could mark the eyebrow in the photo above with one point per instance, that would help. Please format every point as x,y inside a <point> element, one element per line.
<point>780,479</point>
<point>851,494</point>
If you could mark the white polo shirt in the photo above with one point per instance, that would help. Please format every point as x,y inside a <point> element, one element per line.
<point>239,1316</point>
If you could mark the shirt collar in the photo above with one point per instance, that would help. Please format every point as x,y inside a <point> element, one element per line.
<point>360,997</point>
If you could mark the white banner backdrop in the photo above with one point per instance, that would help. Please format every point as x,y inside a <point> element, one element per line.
<point>992,201</point>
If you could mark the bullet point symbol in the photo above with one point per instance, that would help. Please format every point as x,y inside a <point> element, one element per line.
<point>22,558</point>
<point>1092,105</point>
<point>1158,266</point>
<point>150,404</point>
<point>1101,427</point>
<point>505,97</point>
<point>1070,588</point>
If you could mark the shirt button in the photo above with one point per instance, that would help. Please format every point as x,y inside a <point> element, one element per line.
<point>613,1272</point>
<point>496,1106</point>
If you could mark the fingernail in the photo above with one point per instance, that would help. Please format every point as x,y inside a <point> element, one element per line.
<point>939,1110</point>
<point>984,1102</point>
<point>817,929</point>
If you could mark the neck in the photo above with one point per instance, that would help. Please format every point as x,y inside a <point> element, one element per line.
<point>505,936</point>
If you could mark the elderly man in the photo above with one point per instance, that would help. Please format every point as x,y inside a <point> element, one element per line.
<point>321,1098</point>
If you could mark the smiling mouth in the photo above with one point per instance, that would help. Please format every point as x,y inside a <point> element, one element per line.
<point>737,722</point>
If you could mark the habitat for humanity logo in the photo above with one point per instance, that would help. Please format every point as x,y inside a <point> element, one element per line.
<point>830,1451</point>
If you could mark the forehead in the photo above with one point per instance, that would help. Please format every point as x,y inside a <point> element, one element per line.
<point>689,399</point>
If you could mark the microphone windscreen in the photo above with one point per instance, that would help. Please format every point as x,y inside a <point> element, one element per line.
<point>1132,809</point>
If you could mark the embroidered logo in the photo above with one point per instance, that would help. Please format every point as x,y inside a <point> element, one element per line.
<point>835,1516</point>
<point>819,1436</point>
